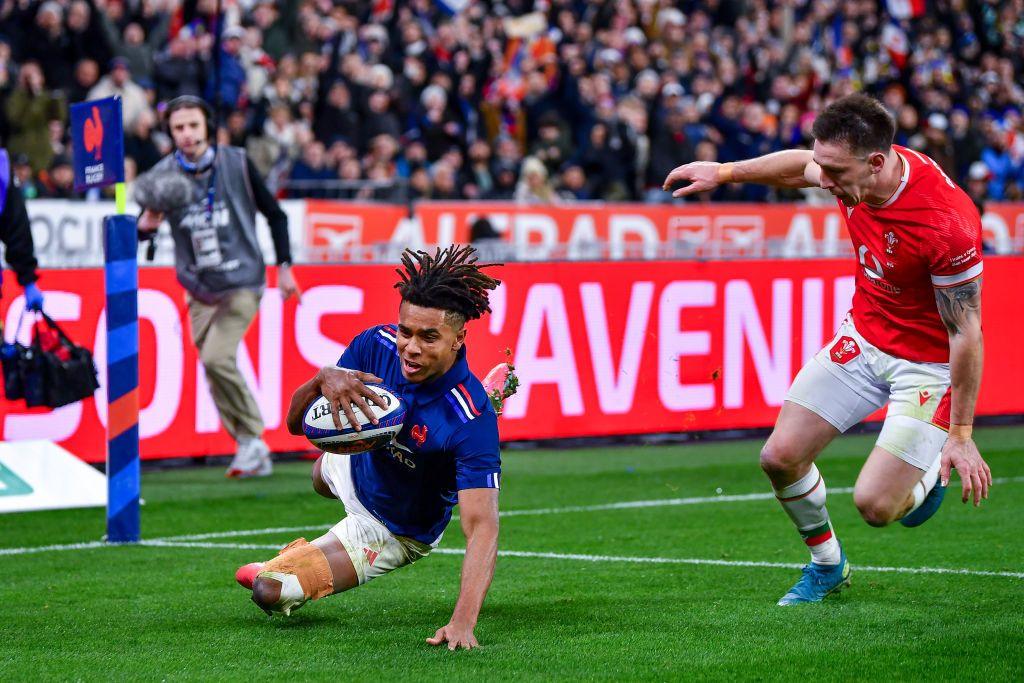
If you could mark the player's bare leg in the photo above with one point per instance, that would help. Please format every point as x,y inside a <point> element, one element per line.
<point>325,569</point>
<point>885,488</point>
<point>797,439</point>
<point>787,458</point>
<point>890,488</point>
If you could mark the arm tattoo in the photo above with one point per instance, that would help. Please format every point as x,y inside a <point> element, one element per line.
<point>958,305</point>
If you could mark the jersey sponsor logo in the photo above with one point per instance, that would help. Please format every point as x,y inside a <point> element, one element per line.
<point>873,270</point>
<point>844,350</point>
<point>419,434</point>
<point>872,266</point>
<point>402,454</point>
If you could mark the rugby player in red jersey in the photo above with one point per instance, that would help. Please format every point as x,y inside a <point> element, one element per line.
<point>913,339</point>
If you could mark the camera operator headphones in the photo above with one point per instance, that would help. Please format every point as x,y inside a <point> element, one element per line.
<point>190,102</point>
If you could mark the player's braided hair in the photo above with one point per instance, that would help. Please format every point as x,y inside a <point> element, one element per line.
<point>450,280</point>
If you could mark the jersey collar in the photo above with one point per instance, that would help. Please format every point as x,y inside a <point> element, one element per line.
<point>456,375</point>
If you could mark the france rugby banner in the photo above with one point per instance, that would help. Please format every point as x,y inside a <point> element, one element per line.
<point>97,141</point>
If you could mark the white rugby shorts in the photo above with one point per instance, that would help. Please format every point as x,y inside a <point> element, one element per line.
<point>849,379</point>
<point>374,550</point>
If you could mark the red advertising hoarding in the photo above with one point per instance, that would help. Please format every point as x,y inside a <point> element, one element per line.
<point>601,349</point>
<point>336,230</point>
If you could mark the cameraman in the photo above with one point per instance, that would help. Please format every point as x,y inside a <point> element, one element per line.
<point>220,265</point>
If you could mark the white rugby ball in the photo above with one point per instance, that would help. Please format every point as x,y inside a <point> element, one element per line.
<point>318,424</point>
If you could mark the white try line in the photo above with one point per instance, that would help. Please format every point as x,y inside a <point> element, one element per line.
<point>576,557</point>
<point>622,505</point>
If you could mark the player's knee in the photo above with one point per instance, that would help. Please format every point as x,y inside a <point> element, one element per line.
<point>777,458</point>
<point>873,511</point>
<point>319,485</point>
<point>266,592</point>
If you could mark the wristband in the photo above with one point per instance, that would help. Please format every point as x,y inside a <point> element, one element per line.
<point>960,431</point>
<point>725,172</point>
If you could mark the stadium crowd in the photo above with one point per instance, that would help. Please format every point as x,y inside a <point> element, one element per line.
<point>542,101</point>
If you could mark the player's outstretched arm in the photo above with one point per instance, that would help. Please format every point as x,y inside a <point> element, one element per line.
<point>788,168</point>
<point>478,510</point>
<point>960,310</point>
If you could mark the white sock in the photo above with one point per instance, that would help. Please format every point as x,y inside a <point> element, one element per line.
<point>927,483</point>
<point>804,502</point>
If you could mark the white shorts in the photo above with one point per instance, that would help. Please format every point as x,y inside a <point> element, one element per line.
<point>849,379</point>
<point>374,550</point>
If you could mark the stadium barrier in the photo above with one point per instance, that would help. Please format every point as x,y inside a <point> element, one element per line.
<point>69,233</point>
<point>624,348</point>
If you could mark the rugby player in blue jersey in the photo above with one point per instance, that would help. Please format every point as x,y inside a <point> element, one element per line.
<point>399,499</point>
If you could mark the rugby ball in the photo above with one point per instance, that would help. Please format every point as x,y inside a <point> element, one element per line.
<point>318,424</point>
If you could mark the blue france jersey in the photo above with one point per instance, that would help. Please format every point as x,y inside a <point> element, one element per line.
<point>449,442</point>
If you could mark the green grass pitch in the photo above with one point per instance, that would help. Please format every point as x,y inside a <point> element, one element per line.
<point>175,612</point>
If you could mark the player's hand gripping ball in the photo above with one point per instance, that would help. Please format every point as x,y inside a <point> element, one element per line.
<point>318,424</point>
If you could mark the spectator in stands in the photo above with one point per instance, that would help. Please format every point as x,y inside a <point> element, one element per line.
<point>438,129</point>
<point>46,42</point>
<point>670,147</point>
<point>309,169</point>
<point>87,75</point>
<point>119,83</point>
<point>505,176</point>
<point>29,110</point>
<point>978,177</point>
<point>176,70</point>
<point>478,175</point>
<point>232,75</point>
<point>379,119</point>
<point>442,177</point>
<point>350,171</point>
<point>603,167</point>
<point>419,183</point>
<point>143,144</point>
<point>533,186</point>
<point>284,130</point>
<point>335,116</point>
<point>24,178</point>
<point>572,183</point>
<point>746,74</point>
<point>85,34</point>
<point>937,144</point>
<point>59,180</point>
<point>552,145</point>
<point>1000,164</point>
<point>276,29</point>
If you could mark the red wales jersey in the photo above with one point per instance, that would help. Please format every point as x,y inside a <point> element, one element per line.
<point>928,234</point>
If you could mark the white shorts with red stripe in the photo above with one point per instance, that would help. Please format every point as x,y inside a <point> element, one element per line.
<point>374,550</point>
<point>849,379</point>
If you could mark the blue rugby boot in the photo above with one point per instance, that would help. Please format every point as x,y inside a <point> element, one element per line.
<point>929,506</point>
<point>817,581</point>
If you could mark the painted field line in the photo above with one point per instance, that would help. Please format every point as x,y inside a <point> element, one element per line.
<point>576,557</point>
<point>52,548</point>
<point>621,505</point>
